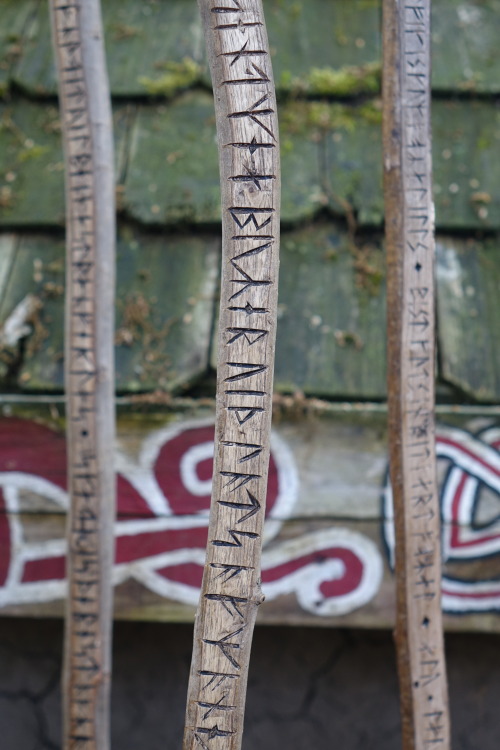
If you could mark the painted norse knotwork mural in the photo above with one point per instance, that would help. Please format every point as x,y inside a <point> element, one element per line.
<point>470,493</point>
<point>322,558</point>
<point>161,530</point>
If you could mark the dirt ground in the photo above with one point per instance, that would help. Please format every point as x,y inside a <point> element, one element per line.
<point>308,688</point>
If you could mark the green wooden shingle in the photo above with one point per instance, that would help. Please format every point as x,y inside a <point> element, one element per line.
<point>331,315</point>
<point>326,57</point>
<point>466,143</point>
<point>465,50</point>
<point>32,166</point>
<point>141,39</point>
<point>468,273</point>
<point>307,35</point>
<point>173,173</point>
<point>466,165</point>
<point>161,41</point>
<point>167,164</point>
<point>38,269</point>
<point>331,331</point>
<point>165,296</point>
<point>15,19</point>
<point>331,338</point>
<point>8,245</point>
<point>331,157</point>
<point>164,302</point>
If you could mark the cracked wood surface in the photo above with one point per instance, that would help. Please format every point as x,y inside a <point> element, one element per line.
<point>247,129</point>
<point>89,369</point>
<point>409,214</point>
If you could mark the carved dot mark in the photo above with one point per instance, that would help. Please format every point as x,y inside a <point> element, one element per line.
<point>249,309</point>
<point>253,146</point>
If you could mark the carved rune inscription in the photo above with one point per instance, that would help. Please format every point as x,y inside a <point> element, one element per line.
<point>84,617</point>
<point>422,508</point>
<point>249,158</point>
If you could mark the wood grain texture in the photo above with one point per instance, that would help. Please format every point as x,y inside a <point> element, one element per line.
<point>409,214</point>
<point>89,369</point>
<point>247,130</point>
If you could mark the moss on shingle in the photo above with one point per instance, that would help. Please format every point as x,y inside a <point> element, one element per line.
<point>177,76</point>
<point>349,80</point>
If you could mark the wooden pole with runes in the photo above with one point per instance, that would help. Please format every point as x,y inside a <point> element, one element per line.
<point>247,129</point>
<point>89,371</point>
<point>409,227</point>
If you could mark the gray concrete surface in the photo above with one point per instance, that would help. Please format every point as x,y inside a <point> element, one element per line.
<point>308,688</point>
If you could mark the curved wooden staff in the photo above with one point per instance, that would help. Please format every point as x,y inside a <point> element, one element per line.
<point>247,129</point>
<point>89,370</point>
<point>409,217</point>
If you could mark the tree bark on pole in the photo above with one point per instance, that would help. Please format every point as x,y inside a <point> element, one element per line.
<point>247,129</point>
<point>409,222</point>
<point>89,369</point>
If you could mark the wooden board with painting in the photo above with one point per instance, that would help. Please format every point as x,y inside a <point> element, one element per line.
<point>328,535</point>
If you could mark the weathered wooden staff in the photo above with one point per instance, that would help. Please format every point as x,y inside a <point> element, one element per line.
<point>89,370</point>
<point>409,220</point>
<point>247,129</point>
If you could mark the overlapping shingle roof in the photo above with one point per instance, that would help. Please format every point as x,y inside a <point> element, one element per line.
<point>326,59</point>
